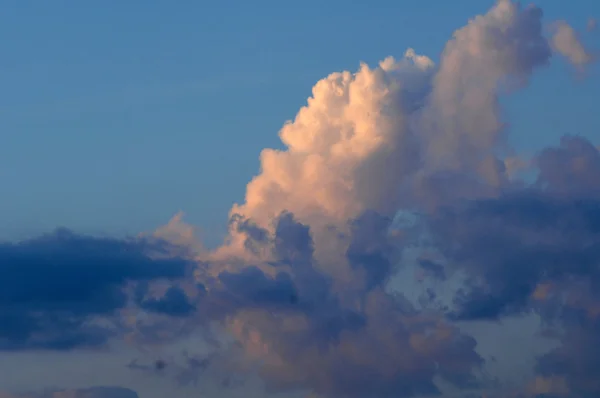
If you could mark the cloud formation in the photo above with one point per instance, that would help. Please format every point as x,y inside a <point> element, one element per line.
<point>56,289</point>
<point>318,226</point>
<point>302,284</point>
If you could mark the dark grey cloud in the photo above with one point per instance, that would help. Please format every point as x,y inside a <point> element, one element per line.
<point>175,302</point>
<point>256,236</point>
<point>293,244</point>
<point>536,249</point>
<point>53,287</point>
<point>432,268</point>
<point>514,243</point>
<point>576,361</point>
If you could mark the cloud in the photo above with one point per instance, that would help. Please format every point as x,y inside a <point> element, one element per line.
<point>93,392</point>
<point>307,335</point>
<point>571,168</point>
<point>495,51</point>
<point>592,24</point>
<point>54,288</point>
<point>516,241</point>
<point>536,250</point>
<point>566,42</point>
<point>180,235</point>
<point>301,282</point>
<point>300,333</point>
<point>174,302</point>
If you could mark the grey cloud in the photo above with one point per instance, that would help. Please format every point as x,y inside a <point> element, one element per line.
<point>52,288</point>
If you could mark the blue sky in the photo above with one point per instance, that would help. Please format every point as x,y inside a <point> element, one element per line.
<point>117,115</point>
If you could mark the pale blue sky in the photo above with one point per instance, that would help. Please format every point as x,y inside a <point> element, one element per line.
<point>115,115</point>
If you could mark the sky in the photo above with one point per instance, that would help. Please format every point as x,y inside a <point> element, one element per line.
<point>131,107</point>
<point>312,200</point>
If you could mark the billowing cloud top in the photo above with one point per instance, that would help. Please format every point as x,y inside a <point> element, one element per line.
<point>303,284</point>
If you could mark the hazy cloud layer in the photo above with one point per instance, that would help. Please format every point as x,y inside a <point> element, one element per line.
<point>94,392</point>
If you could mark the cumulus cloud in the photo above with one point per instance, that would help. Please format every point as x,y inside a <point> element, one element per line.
<point>181,235</point>
<point>421,121</point>
<point>302,283</point>
<point>308,337</point>
<point>349,133</point>
<point>302,279</point>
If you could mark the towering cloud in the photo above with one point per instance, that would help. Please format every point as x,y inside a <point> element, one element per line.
<point>355,127</point>
<point>55,289</point>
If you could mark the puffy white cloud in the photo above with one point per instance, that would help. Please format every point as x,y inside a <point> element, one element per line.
<point>342,146</point>
<point>403,134</point>
<point>363,136</point>
<point>180,234</point>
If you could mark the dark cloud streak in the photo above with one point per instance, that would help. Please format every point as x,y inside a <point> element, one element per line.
<point>52,287</point>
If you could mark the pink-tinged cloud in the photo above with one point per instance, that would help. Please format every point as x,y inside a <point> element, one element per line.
<point>567,43</point>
